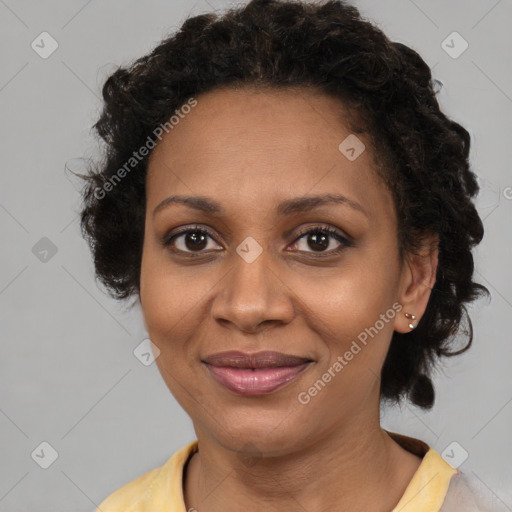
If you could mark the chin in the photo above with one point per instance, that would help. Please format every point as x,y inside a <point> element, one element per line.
<point>249,430</point>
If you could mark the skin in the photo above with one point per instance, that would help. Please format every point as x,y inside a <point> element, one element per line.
<point>250,150</point>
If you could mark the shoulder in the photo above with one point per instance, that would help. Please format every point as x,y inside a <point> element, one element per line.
<point>160,487</point>
<point>130,494</point>
<point>467,494</point>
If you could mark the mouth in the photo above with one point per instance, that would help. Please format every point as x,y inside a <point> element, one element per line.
<point>255,374</point>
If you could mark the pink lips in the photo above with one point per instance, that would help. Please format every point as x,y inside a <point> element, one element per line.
<point>255,374</point>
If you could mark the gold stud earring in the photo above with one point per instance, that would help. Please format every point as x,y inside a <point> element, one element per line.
<point>410,317</point>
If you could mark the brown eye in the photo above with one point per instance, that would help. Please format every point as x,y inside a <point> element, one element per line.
<point>195,241</point>
<point>318,241</point>
<point>188,240</point>
<point>322,240</point>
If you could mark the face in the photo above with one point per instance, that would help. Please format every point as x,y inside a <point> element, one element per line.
<point>252,268</point>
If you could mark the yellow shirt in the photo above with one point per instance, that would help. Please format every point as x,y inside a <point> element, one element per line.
<point>161,488</point>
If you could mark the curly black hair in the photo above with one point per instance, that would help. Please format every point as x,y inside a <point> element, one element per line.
<point>422,155</point>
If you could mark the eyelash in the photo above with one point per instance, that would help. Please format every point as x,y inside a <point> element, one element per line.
<point>345,242</point>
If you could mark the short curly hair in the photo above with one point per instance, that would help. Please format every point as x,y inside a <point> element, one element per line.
<point>422,154</point>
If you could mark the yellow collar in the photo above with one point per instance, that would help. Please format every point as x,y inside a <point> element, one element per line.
<point>428,487</point>
<point>162,488</point>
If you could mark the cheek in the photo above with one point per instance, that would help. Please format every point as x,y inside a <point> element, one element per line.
<point>356,296</point>
<point>356,337</point>
<point>170,310</point>
<point>169,295</point>
<point>355,313</point>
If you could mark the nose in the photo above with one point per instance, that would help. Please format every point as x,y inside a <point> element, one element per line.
<point>252,297</point>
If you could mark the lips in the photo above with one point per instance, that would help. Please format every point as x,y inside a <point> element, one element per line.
<point>255,374</point>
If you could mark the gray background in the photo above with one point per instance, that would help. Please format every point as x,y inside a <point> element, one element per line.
<point>68,373</point>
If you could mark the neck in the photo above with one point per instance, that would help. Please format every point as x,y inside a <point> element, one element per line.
<point>353,468</point>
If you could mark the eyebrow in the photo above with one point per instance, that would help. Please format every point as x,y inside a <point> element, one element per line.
<point>288,207</point>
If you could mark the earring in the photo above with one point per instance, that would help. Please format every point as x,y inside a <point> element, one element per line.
<point>410,317</point>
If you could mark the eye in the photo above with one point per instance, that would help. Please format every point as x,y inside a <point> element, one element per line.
<point>189,240</point>
<point>320,239</point>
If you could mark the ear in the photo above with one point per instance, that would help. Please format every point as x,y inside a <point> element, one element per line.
<point>417,279</point>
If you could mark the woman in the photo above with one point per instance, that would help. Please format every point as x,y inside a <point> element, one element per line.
<point>283,195</point>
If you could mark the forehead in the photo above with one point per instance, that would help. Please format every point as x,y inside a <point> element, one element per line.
<point>299,119</point>
<point>263,146</point>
